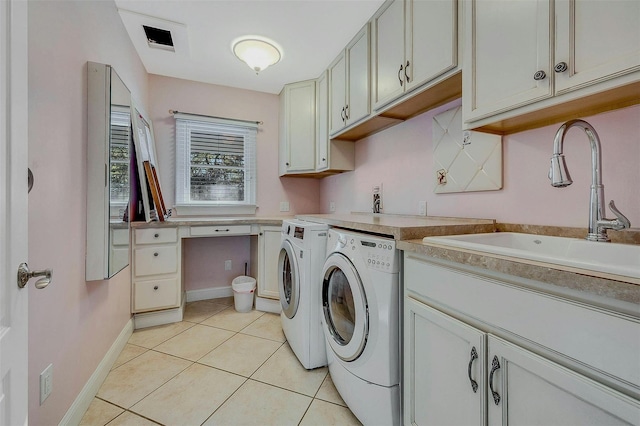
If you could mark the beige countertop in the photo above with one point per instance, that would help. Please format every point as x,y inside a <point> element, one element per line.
<point>403,227</point>
<point>222,220</point>
<point>610,290</point>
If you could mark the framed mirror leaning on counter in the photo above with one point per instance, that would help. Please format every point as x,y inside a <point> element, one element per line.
<point>108,172</point>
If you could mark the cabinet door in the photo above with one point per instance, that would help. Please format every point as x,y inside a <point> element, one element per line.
<point>508,43</point>
<point>358,101</point>
<point>442,356</point>
<point>322,127</point>
<point>337,91</point>
<point>300,126</point>
<point>431,40</point>
<point>387,37</point>
<point>534,390</point>
<point>269,246</point>
<point>597,40</point>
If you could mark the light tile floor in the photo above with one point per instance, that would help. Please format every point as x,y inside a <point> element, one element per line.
<point>216,367</point>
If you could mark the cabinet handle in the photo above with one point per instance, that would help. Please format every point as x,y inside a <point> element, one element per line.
<point>324,159</point>
<point>560,67</point>
<point>474,356</point>
<point>342,115</point>
<point>155,287</point>
<point>406,67</point>
<point>223,230</point>
<point>346,112</point>
<point>539,75</point>
<point>287,164</point>
<point>399,75</point>
<point>156,235</point>
<point>495,365</point>
<point>155,254</point>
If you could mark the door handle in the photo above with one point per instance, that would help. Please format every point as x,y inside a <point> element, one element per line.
<point>474,356</point>
<point>24,275</point>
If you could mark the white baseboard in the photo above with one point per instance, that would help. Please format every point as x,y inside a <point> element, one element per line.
<point>90,389</point>
<point>151,319</point>
<point>209,293</point>
<point>268,305</point>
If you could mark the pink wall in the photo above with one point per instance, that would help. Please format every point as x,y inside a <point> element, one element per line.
<point>203,263</point>
<point>167,93</point>
<point>401,158</point>
<point>72,323</point>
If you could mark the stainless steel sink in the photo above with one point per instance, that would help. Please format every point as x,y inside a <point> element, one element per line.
<point>618,259</point>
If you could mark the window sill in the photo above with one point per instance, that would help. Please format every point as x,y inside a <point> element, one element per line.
<point>207,210</point>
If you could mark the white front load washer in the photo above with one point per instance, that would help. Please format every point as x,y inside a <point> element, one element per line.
<point>302,254</point>
<point>361,324</point>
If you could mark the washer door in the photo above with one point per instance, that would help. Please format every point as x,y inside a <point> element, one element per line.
<point>288,279</point>
<point>346,313</point>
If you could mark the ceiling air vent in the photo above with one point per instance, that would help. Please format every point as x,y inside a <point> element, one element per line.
<point>159,39</point>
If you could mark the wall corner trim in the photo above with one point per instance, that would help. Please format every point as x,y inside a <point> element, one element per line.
<point>90,389</point>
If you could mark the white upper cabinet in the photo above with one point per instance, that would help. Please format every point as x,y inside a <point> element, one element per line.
<point>349,84</point>
<point>298,127</point>
<point>414,42</point>
<point>332,155</point>
<point>508,44</point>
<point>596,40</point>
<point>526,61</point>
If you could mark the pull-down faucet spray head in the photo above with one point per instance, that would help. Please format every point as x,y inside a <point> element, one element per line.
<point>560,178</point>
<point>558,172</point>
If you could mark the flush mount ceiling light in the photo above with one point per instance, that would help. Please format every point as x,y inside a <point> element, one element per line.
<point>257,52</point>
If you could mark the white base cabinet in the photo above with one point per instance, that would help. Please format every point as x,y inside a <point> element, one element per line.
<point>268,252</point>
<point>479,350</point>
<point>156,269</point>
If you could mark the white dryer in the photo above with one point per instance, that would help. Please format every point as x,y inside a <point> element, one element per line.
<point>361,324</point>
<point>302,254</point>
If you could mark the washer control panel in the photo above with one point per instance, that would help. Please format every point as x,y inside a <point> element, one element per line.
<point>379,255</point>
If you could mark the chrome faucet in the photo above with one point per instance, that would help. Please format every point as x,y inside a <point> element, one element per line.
<point>559,176</point>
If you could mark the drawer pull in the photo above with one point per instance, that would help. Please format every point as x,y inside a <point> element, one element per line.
<point>223,230</point>
<point>156,235</point>
<point>474,356</point>
<point>495,365</point>
<point>155,254</point>
<point>155,287</point>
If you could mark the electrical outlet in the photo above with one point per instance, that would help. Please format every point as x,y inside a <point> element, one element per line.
<point>46,383</point>
<point>332,206</point>
<point>227,265</point>
<point>284,206</point>
<point>422,208</point>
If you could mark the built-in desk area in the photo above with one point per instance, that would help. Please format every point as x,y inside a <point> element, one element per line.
<point>158,291</point>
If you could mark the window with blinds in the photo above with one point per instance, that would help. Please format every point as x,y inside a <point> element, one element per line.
<point>215,162</point>
<point>120,133</point>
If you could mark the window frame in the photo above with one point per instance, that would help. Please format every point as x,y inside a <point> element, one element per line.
<point>185,125</point>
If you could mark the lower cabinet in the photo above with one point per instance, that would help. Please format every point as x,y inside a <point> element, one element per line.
<point>156,269</point>
<point>456,373</point>
<point>268,252</point>
<point>444,368</point>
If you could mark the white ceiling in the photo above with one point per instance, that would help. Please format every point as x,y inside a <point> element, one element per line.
<point>311,33</point>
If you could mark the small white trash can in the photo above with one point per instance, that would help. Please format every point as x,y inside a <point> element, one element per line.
<point>243,289</point>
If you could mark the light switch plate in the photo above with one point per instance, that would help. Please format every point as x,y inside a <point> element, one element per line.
<point>284,206</point>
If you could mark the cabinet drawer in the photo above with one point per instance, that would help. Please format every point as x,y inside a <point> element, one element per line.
<point>156,294</point>
<point>156,235</point>
<point>155,260</point>
<point>220,231</point>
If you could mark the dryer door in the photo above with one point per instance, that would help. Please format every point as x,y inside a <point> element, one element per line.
<point>346,313</point>
<point>288,279</point>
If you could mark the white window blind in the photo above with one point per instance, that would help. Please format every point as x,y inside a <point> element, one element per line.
<point>215,162</point>
<point>120,128</point>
